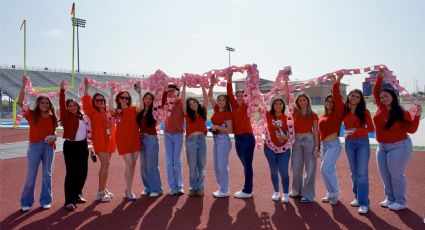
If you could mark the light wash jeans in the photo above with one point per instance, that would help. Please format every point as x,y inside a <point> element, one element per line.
<point>173,160</point>
<point>358,154</point>
<point>392,159</point>
<point>196,151</point>
<point>303,159</point>
<point>149,168</point>
<point>221,149</point>
<point>245,144</point>
<point>330,151</point>
<point>39,151</point>
<point>279,164</point>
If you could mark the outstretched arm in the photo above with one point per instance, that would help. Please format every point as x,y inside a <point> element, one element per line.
<point>183,97</point>
<point>22,92</point>
<point>211,95</point>
<point>138,90</point>
<point>205,96</point>
<point>377,87</point>
<point>229,88</point>
<point>62,99</point>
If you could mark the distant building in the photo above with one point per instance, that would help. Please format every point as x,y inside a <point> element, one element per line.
<point>317,93</point>
<point>370,82</point>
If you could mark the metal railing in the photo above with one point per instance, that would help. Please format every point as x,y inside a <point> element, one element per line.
<point>63,70</point>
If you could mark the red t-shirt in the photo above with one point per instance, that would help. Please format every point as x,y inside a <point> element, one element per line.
<point>352,121</point>
<point>127,135</point>
<point>398,131</point>
<point>331,123</point>
<point>175,122</point>
<point>240,121</point>
<point>195,126</point>
<point>144,127</point>
<point>219,118</point>
<point>45,126</point>
<point>302,123</point>
<point>273,123</point>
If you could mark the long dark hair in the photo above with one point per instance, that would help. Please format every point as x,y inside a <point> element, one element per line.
<point>396,111</point>
<point>37,111</point>
<point>72,100</point>
<point>191,113</point>
<point>272,111</point>
<point>360,108</point>
<point>150,120</point>
<point>326,98</point>
<point>227,106</point>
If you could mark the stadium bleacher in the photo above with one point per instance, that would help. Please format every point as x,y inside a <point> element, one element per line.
<point>11,81</point>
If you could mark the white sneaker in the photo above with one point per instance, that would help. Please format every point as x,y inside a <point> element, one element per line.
<point>154,194</point>
<point>275,196</point>
<point>103,197</point>
<point>386,203</point>
<point>397,206</point>
<point>144,193</point>
<point>243,195</point>
<point>219,194</point>
<point>334,200</point>
<point>363,209</point>
<point>25,208</point>
<point>285,198</point>
<point>46,206</point>
<point>110,194</point>
<point>355,203</point>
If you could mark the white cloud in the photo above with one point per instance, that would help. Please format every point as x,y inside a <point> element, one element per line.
<point>196,36</point>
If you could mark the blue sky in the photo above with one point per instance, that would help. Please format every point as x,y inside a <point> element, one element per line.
<point>138,37</point>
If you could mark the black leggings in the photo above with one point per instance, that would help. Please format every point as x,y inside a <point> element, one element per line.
<point>76,155</point>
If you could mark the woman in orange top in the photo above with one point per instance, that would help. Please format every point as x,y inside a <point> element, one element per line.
<point>127,136</point>
<point>358,123</point>
<point>196,146</point>
<point>43,122</point>
<point>329,129</point>
<point>103,136</point>
<point>392,125</point>
<point>305,150</point>
<point>221,127</point>
<point>278,161</point>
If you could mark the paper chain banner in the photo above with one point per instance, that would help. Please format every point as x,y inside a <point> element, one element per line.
<point>256,101</point>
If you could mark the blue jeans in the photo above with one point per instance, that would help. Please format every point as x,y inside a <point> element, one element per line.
<point>358,154</point>
<point>392,159</point>
<point>279,164</point>
<point>173,160</point>
<point>245,144</point>
<point>149,168</point>
<point>331,150</point>
<point>221,149</point>
<point>39,151</point>
<point>196,151</point>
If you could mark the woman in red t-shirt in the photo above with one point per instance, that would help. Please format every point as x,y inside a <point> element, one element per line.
<point>149,169</point>
<point>43,122</point>
<point>196,146</point>
<point>221,127</point>
<point>329,129</point>
<point>358,123</point>
<point>278,160</point>
<point>392,125</point>
<point>305,150</point>
<point>127,136</point>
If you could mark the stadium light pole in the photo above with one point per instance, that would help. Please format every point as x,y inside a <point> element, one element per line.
<point>78,22</point>
<point>230,49</point>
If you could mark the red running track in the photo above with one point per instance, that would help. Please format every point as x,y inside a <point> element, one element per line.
<point>169,212</point>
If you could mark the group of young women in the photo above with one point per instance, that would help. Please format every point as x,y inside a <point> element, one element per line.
<point>132,131</point>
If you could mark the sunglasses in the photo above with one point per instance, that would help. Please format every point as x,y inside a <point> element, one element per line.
<point>100,100</point>
<point>124,98</point>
